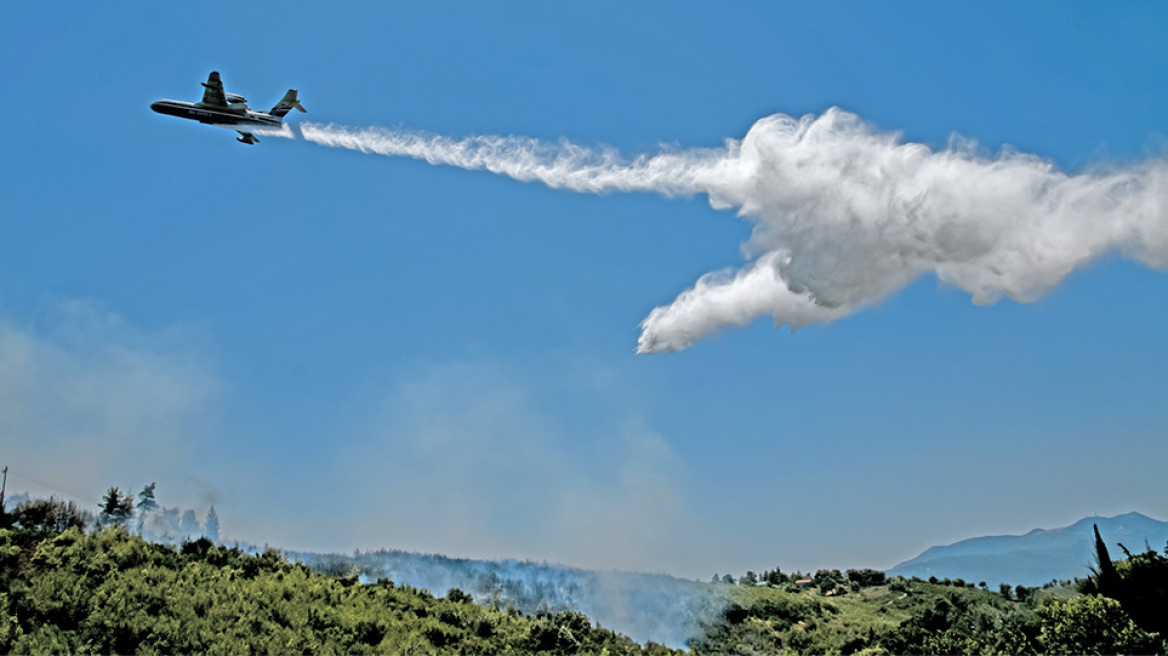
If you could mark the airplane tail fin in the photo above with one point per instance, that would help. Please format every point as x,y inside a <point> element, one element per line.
<point>286,104</point>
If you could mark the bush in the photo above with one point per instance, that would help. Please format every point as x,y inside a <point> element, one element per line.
<point>1092,624</point>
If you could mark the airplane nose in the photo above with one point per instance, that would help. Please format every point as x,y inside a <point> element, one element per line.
<point>156,106</point>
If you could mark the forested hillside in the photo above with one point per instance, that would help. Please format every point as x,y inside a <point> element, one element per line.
<point>862,611</point>
<point>69,584</point>
<point>65,590</point>
<point>918,617</point>
<point>645,607</point>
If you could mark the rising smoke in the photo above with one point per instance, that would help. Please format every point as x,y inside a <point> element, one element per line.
<point>843,214</point>
<point>645,607</point>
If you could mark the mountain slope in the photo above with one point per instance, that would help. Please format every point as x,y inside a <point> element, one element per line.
<point>1039,556</point>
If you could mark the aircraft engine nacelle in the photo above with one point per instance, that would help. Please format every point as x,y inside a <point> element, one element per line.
<point>235,98</point>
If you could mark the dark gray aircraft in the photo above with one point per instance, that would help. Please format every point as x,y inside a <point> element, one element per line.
<point>228,110</point>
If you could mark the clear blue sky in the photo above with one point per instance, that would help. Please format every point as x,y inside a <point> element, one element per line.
<point>347,351</point>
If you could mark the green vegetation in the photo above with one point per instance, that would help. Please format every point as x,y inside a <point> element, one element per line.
<point>108,591</point>
<point>897,616</point>
<point>1122,612</point>
<point>67,588</point>
<point>1138,583</point>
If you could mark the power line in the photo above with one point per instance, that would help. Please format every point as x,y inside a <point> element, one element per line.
<point>55,486</point>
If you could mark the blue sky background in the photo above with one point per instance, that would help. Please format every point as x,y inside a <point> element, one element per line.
<point>342,351</point>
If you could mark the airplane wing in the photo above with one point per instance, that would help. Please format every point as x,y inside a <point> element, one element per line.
<point>214,95</point>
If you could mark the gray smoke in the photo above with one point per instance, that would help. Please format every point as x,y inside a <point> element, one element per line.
<point>843,214</point>
<point>645,607</point>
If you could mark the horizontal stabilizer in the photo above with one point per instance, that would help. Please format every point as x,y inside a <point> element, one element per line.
<point>287,103</point>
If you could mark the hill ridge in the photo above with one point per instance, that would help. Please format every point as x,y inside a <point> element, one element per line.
<point>1037,556</point>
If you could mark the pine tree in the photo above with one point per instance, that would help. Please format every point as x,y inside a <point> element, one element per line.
<point>116,508</point>
<point>109,506</point>
<point>212,526</point>
<point>188,525</point>
<point>146,505</point>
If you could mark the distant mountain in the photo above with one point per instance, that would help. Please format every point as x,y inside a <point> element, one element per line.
<point>1039,556</point>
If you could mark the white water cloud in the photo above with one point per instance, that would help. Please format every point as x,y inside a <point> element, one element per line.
<point>844,214</point>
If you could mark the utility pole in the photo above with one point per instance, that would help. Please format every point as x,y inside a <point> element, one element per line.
<point>3,487</point>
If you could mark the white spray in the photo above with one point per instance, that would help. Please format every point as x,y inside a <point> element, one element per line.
<point>843,214</point>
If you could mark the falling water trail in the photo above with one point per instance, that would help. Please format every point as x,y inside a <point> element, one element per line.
<point>560,165</point>
<point>843,214</point>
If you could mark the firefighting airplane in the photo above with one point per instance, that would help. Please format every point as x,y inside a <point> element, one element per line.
<point>228,110</point>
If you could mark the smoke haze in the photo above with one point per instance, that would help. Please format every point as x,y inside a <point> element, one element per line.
<point>88,401</point>
<point>476,458</point>
<point>464,458</point>
<point>843,214</point>
<point>644,607</point>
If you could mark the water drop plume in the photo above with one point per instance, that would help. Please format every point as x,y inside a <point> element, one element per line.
<point>843,214</point>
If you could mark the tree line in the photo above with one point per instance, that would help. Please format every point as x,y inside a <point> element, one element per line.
<point>117,508</point>
<point>74,583</point>
<point>1120,609</point>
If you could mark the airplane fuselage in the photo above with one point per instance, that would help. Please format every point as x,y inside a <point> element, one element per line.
<point>229,110</point>
<point>232,119</point>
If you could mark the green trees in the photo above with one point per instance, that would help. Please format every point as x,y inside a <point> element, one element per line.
<point>65,590</point>
<point>950,620</point>
<point>1138,583</point>
<point>775,577</point>
<point>866,578</point>
<point>827,580</point>
<point>146,505</point>
<point>116,508</point>
<point>112,592</point>
<point>1092,624</point>
<point>764,620</point>
<point>1021,592</point>
<point>42,517</point>
<point>1143,590</point>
